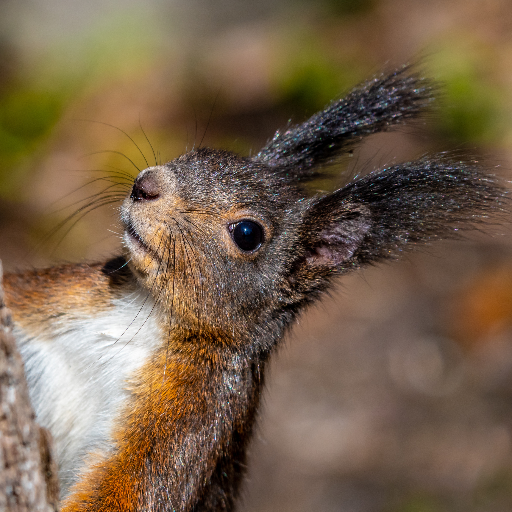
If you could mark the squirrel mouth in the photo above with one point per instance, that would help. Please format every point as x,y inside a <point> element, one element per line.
<point>135,237</point>
<point>136,243</point>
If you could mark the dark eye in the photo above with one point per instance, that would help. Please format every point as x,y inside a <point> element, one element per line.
<point>248,235</point>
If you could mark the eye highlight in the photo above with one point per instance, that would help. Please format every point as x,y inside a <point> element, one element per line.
<point>247,235</point>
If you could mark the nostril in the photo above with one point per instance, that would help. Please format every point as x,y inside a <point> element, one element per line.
<point>145,188</point>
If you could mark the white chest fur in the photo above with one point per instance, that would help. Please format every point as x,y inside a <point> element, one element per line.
<point>77,376</point>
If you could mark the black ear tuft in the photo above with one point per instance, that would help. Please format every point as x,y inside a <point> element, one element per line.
<point>375,106</point>
<point>384,213</point>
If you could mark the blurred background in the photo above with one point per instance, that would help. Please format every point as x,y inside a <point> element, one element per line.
<point>395,394</point>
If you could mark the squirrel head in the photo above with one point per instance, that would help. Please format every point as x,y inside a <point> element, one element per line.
<point>236,244</point>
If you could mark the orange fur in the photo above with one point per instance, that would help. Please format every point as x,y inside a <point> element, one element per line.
<point>170,401</point>
<point>38,296</point>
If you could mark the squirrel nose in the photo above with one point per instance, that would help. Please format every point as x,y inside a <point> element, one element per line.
<point>145,188</point>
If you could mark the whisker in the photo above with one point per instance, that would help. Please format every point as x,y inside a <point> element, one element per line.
<point>203,232</point>
<point>100,201</point>
<point>147,139</point>
<point>171,307</point>
<point>104,178</point>
<point>122,172</point>
<point>138,330</point>
<point>115,153</point>
<point>120,130</point>
<point>138,313</point>
<point>136,316</point>
<point>95,195</point>
<point>200,212</point>
<point>91,208</point>
<point>196,273</point>
<point>196,129</point>
<point>209,118</point>
<point>119,173</point>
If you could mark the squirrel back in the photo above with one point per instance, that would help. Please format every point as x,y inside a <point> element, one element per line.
<point>148,369</point>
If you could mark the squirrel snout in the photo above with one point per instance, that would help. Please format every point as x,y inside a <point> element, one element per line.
<point>145,188</point>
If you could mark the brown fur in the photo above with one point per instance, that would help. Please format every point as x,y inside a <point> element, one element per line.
<point>39,297</point>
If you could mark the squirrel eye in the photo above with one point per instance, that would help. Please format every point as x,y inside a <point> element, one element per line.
<point>248,235</point>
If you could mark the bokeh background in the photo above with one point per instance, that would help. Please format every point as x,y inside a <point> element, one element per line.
<point>395,394</point>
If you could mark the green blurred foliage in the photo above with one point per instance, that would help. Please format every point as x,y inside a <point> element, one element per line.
<point>27,115</point>
<point>473,107</point>
<point>310,74</point>
<point>349,7</point>
<point>494,492</point>
<point>420,503</point>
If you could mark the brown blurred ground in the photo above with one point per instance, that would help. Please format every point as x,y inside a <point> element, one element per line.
<point>396,393</point>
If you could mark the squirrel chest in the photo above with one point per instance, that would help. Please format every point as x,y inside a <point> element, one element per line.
<point>80,353</point>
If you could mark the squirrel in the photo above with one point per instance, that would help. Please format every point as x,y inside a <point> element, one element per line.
<point>148,368</point>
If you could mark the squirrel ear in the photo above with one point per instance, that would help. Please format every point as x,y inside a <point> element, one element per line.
<point>384,213</point>
<point>336,232</point>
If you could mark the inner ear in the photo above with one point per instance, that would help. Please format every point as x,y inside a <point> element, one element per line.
<point>339,238</point>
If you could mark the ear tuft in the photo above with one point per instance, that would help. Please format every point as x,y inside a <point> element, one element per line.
<point>379,216</point>
<point>375,106</point>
